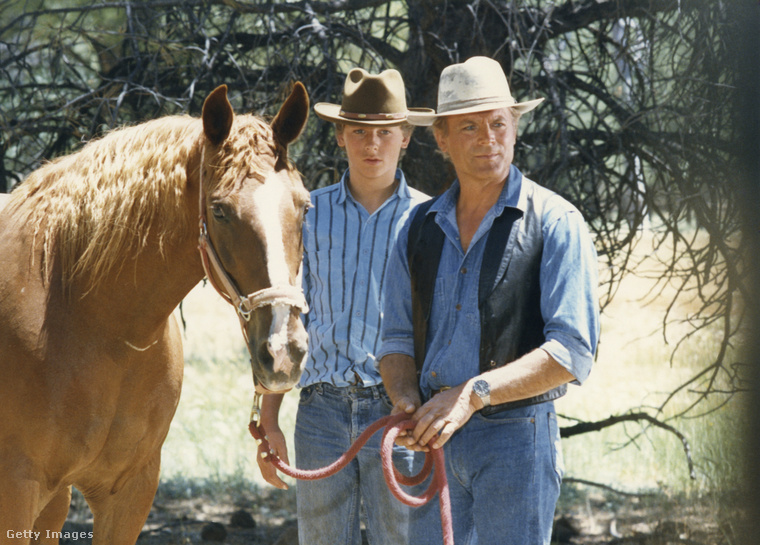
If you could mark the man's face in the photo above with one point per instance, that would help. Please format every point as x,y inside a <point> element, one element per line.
<point>480,145</point>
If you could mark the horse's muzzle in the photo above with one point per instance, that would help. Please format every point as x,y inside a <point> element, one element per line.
<point>277,360</point>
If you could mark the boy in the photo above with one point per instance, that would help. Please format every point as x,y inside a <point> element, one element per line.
<point>348,235</point>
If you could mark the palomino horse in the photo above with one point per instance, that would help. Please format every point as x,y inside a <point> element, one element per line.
<point>97,250</point>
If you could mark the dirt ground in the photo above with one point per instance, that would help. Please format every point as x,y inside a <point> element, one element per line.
<point>585,515</point>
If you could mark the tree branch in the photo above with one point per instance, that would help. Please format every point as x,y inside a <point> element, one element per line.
<point>574,14</point>
<point>586,427</point>
<point>322,7</point>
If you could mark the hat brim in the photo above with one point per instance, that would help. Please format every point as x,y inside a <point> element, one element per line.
<point>425,120</point>
<point>331,112</point>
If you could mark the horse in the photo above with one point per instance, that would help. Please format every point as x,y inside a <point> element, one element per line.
<point>4,199</point>
<point>97,250</point>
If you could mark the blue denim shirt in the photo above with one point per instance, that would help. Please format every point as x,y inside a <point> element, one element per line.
<point>569,304</point>
<point>344,277</point>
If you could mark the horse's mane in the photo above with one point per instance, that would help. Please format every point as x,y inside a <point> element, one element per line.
<point>94,208</point>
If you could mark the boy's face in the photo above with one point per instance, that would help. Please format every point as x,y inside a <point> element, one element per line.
<point>372,150</point>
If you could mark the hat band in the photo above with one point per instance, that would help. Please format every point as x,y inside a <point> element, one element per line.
<point>469,103</point>
<point>372,117</point>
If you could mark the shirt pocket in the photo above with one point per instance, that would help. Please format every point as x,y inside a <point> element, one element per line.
<point>442,296</point>
<point>331,272</point>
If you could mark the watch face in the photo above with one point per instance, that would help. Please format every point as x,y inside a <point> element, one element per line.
<point>481,388</point>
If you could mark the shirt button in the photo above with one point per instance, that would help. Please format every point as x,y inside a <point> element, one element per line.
<point>433,374</point>
<point>459,307</point>
<point>464,270</point>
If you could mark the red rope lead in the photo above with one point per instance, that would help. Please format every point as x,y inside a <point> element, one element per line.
<point>393,424</point>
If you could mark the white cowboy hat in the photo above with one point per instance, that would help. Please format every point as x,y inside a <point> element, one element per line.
<point>476,85</point>
<point>370,99</point>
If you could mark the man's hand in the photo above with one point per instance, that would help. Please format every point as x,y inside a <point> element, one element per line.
<point>405,405</point>
<point>278,447</point>
<point>404,438</point>
<point>442,415</point>
<point>400,379</point>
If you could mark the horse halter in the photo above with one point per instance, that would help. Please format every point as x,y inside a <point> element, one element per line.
<point>245,305</point>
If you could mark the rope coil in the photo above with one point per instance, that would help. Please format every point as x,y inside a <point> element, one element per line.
<point>394,425</point>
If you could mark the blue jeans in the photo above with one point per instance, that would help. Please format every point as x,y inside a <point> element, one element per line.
<point>504,473</point>
<point>329,420</point>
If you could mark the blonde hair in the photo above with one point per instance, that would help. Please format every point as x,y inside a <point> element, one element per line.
<point>406,128</point>
<point>118,193</point>
<point>441,126</point>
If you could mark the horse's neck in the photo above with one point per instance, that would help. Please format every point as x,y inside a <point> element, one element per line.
<point>150,285</point>
<point>134,305</point>
<point>135,300</point>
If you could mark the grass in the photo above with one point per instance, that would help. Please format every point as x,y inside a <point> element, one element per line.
<point>209,441</point>
<point>209,445</point>
<point>634,370</point>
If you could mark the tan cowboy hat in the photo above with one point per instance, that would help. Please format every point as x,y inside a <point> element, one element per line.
<point>476,85</point>
<point>370,99</point>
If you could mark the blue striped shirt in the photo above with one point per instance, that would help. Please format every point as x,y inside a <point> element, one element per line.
<point>345,256</point>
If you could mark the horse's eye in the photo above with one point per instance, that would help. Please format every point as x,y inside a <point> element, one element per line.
<point>218,211</point>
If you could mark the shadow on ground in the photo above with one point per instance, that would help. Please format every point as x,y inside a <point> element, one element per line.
<point>586,515</point>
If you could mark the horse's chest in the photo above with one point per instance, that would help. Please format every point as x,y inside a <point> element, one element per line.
<point>103,415</point>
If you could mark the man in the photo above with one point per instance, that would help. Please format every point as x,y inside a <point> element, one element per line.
<point>348,235</point>
<point>492,311</point>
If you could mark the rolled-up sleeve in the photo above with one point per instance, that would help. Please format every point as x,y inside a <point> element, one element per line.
<point>397,332</point>
<point>569,301</point>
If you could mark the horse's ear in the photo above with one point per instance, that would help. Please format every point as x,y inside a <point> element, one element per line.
<point>291,119</point>
<point>217,115</point>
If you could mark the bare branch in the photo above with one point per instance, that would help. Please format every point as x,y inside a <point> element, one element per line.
<point>586,427</point>
<point>322,7</point>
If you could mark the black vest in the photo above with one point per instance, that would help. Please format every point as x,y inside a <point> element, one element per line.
<point>509,292</point>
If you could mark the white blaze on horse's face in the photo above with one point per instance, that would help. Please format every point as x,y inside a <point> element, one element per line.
<point>256,215</point>
<point>272,196</point>
<point>256,230</point>
<point>274,206</point>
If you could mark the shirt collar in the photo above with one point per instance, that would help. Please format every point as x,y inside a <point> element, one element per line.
<point>511,195</point>
<point>402,190</point>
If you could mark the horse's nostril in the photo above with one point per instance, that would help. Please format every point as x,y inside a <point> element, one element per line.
<point>297,352</point>
<point>264,357</point>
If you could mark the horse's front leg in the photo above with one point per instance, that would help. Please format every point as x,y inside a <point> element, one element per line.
<point>19,502</point>
<point>51,520</point>
<point>119,517</point>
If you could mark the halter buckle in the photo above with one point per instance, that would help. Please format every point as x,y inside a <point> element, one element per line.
<point>256,409</point>
<point>245,314</point>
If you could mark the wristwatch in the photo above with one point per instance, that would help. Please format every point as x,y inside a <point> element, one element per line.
<point>481,389</point>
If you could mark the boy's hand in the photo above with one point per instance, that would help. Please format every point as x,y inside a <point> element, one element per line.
<point>279,448</point>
